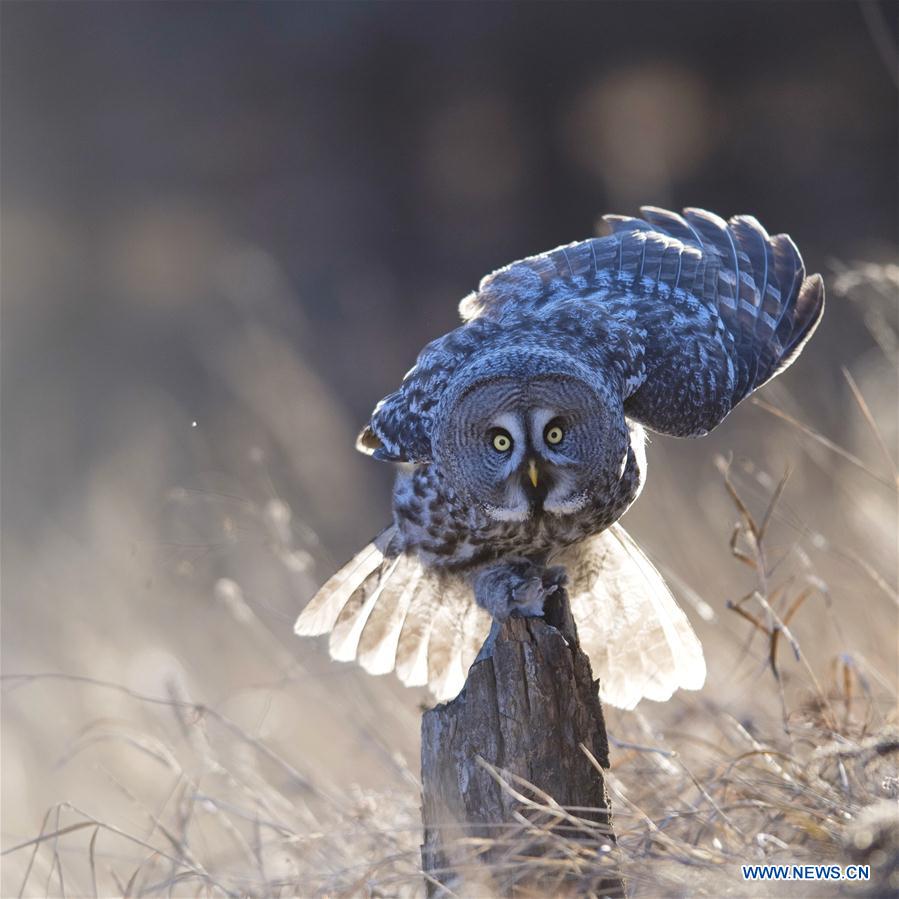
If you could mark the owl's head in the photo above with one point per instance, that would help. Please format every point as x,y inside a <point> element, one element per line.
<point>530,432</point>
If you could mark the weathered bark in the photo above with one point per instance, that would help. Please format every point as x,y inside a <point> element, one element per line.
<point>529,703</point>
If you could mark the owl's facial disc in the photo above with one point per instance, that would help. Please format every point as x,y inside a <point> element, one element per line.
<point>517,448</point>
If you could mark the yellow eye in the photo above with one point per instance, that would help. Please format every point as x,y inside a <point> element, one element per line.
<point>554,435</point>
<point>502,442</point>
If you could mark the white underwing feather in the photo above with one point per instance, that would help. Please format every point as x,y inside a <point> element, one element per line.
<point>320,615</point>
<point>379,641</point>
<point>348,629</point>
<point>412,649</point>
<point>638,639</point>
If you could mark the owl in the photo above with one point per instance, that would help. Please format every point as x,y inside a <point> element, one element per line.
<point>518,440</point>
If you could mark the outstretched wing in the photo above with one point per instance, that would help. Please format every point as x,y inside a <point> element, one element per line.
<point>638,639</point>
<point>701,312</point>
<point>390,613</point>
<point>688,314</point>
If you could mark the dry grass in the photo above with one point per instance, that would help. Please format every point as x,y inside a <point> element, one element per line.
<point>795,762</point>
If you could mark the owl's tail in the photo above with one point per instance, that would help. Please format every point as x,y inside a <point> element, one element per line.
<point>389,613</point>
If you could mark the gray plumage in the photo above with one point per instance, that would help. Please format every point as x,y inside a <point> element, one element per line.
<point>519,438</point>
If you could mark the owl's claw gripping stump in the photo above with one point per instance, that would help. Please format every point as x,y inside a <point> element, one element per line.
<point>526,598</point>
<point>516,588</point>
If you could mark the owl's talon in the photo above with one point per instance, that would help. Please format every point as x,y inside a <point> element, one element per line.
<point>515,588</point>
<point>554,578</point>
<point>527,599</point>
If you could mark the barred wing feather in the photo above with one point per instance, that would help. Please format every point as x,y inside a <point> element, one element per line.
<point>639,641</point>
<point>389,613</point>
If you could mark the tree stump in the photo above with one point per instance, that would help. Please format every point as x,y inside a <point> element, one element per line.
<point>528,706</point>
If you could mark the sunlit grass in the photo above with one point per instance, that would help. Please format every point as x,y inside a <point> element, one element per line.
<point>793,760</point>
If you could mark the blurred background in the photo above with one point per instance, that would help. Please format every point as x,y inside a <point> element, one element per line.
<point>227,229</point>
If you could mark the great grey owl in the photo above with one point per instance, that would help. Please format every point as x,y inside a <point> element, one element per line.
<point>519,443</point>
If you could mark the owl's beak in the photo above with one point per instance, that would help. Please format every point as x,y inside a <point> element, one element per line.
<point>532,472</point>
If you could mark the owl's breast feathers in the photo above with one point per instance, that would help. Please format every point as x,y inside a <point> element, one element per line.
<point>684,315</point>
<point>452,533</point>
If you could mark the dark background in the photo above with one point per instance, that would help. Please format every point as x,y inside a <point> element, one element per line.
<point>227,230</point>
<point>387,155</point>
